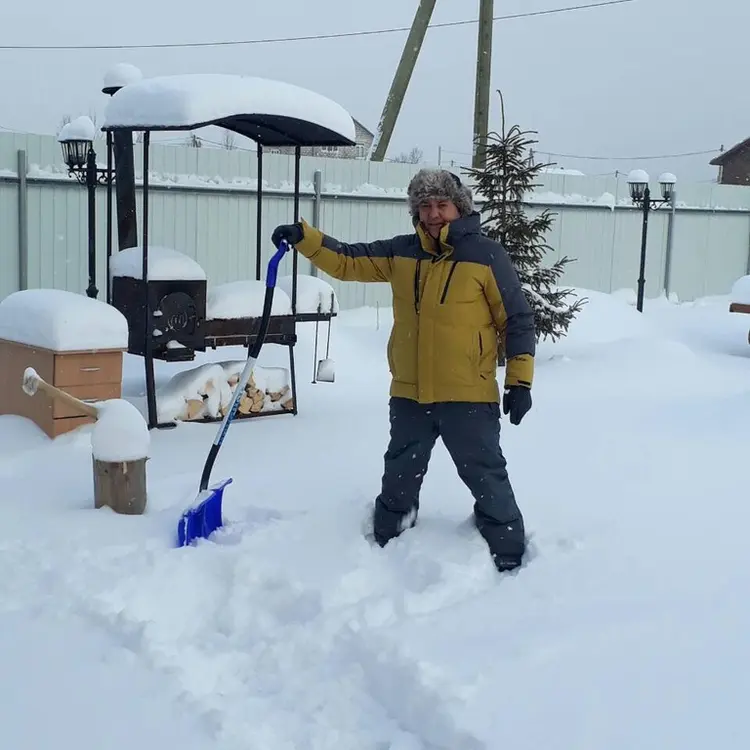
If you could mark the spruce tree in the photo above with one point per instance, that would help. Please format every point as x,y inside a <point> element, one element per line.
<point>509,173</point>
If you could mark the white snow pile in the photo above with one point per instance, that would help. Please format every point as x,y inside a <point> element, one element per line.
<point>243,299</point>
<point>121,74</point>
<point>314,295</point>
<point>740,292</point>
<point>61,321</point>
<point>120,432</point>
<point>80,129</point>
<point>626,627</point>
<point>164,264</point>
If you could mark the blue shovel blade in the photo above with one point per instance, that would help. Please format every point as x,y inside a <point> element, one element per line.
<point>203,518</point>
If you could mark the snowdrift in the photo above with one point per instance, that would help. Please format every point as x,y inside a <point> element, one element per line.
<point>290,631</point>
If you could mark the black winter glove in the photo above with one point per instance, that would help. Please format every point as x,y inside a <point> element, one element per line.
<point>516,401</point>
<point>292,233</point>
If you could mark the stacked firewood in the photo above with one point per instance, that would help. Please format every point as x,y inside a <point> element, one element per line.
<point>211,397</point>
<point>254,399</point>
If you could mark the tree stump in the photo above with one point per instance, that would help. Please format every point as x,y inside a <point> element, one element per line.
<point>120,485</point>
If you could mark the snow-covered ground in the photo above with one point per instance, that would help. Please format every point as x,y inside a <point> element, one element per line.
<point>627,628</point>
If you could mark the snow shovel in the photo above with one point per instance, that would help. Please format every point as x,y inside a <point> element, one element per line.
<point>32,383</point>
<point>326,370</point>
<point>205,516</point>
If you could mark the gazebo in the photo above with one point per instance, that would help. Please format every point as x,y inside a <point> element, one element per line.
<point>163,293</point>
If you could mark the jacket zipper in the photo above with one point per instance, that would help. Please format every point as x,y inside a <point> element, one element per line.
<point>447,282</point>
<point>416,286</point>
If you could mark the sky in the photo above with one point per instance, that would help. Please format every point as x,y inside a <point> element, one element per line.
<point>646,78</point>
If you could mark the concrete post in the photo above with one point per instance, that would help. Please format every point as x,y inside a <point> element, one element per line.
<point>401,79</point>
<point>670,244</point>
<point>482,84</point>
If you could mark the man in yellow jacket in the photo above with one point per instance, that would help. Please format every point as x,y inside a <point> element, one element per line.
<point>454,292</point>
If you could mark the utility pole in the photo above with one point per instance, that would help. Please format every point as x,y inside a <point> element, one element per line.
<point>401,79</point>
<point>405,69</point>
<point>482,85</point>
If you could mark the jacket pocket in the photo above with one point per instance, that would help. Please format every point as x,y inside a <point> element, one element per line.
<point>487,363</point>
<point>402,355</point>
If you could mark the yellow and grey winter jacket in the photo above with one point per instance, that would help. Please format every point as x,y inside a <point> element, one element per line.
<point>451,298</point>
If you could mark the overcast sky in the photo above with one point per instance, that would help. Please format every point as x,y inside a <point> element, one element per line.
<point>645,78</point>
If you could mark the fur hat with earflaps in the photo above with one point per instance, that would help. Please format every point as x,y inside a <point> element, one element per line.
<point>439,184</point>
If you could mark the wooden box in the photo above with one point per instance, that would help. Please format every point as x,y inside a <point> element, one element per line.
<point>87,375</point>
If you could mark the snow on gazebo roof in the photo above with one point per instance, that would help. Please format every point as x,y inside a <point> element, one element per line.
<point>273,113</point>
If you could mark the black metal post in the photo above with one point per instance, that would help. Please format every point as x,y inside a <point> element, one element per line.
<point>295,254</point>
<point>91,178</point>
<point>644,238</point>
<point>259,215</point>
<point>109,215</point>
<point>148,313</point>
<point>127,224</point>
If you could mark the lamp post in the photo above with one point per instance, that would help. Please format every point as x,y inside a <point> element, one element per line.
<point>640,194</point>
<point>77,142</point>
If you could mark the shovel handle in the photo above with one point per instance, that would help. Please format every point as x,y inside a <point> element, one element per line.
<point>72,401</point>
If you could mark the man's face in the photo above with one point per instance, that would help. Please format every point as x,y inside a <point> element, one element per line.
<point>436,213</point>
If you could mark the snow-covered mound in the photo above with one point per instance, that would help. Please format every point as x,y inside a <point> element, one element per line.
<point>741,291</point>
<point>606,318</point>
<point>243,299</point>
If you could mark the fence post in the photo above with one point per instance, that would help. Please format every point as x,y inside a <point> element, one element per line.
<point>670,243</point>
<point>23,223</point>
<point>317,197</point>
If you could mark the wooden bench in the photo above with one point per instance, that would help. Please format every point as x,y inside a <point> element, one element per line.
<point>740,307</point>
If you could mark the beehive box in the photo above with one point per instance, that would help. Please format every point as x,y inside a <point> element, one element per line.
<point>73,342</point>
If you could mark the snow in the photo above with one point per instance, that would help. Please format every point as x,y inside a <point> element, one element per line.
<point>243,299</point>
<point>638,175</point>
<point>741,291</point>
<point>314,295</point>
<point>61,321</point>
<point>189,100</point>
<point>164,264</point>
<point>667,178</point>
<point>626,627</point>
<point>120,432</point>
<point>80,129</point>
<point>121,74</point>
<point>563,170</point>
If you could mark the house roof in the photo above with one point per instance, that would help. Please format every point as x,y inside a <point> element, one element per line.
<point>725,156</point>
<point>359,124</point>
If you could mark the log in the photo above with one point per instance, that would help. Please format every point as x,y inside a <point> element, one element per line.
<point>120,486</point>
<point>194,408</point>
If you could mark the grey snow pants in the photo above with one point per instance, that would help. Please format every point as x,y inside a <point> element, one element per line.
<point>471,434</point>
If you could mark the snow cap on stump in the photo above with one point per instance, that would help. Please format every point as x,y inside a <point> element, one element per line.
<point>120,433</point>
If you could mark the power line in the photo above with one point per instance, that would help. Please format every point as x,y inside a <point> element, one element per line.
<point>312,37</point>
<point>608,158</point>
<point>631,158</point>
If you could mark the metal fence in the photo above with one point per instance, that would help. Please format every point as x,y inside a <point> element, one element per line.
<point>204,204</point>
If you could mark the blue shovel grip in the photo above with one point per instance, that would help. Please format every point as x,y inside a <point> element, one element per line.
<point>273,264</point>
